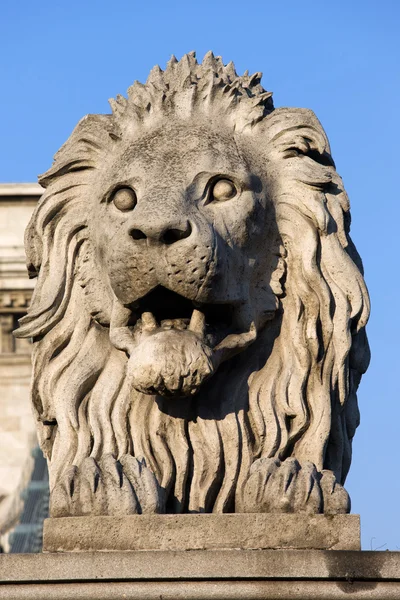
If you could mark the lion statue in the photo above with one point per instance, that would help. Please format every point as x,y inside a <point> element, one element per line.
<point>199,317</point>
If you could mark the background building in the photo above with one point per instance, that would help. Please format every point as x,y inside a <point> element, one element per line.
<point>23,473</point>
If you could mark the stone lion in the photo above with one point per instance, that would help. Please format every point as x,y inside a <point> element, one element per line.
<point>199,317</point>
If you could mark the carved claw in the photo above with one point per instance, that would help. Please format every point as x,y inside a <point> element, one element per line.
<point>336,499</point>
<point>290,487</point>
<point>112,487</point>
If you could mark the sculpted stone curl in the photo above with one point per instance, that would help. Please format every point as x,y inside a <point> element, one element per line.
<point>199,316</point>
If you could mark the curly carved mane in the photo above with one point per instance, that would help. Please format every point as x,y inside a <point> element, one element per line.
<point>292,393</point>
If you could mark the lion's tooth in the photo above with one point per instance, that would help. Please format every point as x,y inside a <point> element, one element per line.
<point>149,322</point>
<point>198,323</point>
<point>120,334</point>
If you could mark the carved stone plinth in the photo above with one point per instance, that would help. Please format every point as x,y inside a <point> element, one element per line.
<point>202,575</point>
<point>202,532</point>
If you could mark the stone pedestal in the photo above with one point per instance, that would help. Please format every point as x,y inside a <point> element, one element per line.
<point>202,532</point>
<point>202,575</point>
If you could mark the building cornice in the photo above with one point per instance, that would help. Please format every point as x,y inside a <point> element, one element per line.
<point>11,190</point>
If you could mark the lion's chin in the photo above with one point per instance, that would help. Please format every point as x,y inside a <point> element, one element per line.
<point>170,363</point>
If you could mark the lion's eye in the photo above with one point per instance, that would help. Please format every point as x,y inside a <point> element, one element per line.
<point>223,190</point>
<point>125,199</point>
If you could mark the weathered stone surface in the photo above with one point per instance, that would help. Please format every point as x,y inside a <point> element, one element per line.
<point>201,532</point>
<point>200,310</point>
<point>205,590</point>
<point>205,575</point>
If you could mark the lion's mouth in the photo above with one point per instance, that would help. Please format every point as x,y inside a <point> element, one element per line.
<point>174,344</point>
<point>163,309</point>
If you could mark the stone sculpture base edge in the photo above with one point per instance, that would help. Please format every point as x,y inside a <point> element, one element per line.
<point>202,532</point>
<point>202,575</point>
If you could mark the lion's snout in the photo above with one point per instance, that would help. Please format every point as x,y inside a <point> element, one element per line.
<point>174,254</point>
<point>177,254</point>
<point>162,232</point>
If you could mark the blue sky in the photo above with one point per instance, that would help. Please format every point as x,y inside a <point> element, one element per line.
<point>61,60</point>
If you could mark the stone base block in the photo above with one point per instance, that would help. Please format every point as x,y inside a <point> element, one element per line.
<point>202,575</point>
<point>202,532</point>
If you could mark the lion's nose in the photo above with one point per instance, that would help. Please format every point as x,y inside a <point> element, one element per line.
<point>164,234</point>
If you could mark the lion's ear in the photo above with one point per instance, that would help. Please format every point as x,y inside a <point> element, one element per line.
<point>91,136</point>
<point>289,132</point>
<point>58,226</point>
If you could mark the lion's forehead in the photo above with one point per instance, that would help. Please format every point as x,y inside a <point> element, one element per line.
<point>178,153</point>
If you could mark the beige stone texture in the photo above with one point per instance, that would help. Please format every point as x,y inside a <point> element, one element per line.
<point>202,575</point>
<point>201,532</point>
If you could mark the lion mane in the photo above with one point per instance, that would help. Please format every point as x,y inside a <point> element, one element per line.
<point>291,394</point>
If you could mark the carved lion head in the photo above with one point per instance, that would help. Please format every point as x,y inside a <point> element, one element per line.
<point>199,301</point>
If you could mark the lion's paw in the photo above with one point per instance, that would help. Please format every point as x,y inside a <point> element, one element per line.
<point>275,487</point>
<point>110,487</point>
<point>290,487</point>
